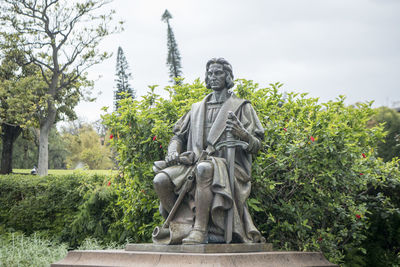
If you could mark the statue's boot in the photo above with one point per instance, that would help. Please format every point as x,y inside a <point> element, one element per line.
<point>195,237</point>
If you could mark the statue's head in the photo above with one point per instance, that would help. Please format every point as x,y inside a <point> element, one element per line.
<point>219,74</point>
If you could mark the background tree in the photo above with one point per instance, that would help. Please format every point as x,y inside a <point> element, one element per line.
<point>19,82</point>
<point>174,57</point>
<point>54,38</point>
<point>390,146</point>
<point>26,149</point>
<point>85,148</point>
<point>100,129</point>
<point>123,77</point>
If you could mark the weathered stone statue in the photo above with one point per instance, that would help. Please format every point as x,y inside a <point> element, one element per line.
<point>205,180</point>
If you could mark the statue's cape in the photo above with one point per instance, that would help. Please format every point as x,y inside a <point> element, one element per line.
<point>197,120</point>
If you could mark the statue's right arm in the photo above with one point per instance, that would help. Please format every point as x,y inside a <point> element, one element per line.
<point>174,149</point>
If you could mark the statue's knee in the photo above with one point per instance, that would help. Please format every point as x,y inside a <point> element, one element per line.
<point>161,180</point>
<point>204,170</point>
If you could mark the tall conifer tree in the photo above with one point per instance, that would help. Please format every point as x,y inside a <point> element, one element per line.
<point>174,57</point>
<point>123,77</point>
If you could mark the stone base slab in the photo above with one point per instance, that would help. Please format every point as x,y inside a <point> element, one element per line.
<point>112,258</point>
<point>202,248</point>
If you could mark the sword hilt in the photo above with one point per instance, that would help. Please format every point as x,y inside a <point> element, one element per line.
<point>231,143</point>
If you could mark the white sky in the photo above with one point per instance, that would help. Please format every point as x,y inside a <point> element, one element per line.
<point>326,48</point>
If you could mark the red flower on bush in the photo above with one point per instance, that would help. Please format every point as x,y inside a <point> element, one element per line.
<point>361,173</point>
<point>312,138</point>
<point>109,183</point>
<point>111,136</point>
<point>363,155</point>
<point>154,138</point>
<point>160,146</point>
<point>358,216</point>
<point>285,129</point>
<point>319,239</point>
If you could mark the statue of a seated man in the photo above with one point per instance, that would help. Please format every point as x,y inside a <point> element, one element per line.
<point>201,151</point>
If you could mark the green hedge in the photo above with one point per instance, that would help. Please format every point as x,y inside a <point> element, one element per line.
<point>67,207</point>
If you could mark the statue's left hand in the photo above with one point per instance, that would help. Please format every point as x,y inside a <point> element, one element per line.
<point>236,127</point>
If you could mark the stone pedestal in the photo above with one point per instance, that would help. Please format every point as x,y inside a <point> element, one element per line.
<point>254,255</point>
<point>202,248</point>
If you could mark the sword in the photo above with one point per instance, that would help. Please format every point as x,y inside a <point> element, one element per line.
<point>230,143</point>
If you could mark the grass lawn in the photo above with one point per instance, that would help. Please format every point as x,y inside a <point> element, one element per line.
<point>62,172</point>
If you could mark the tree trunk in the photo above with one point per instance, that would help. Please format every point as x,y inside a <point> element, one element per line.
<point>45,127</point>
<point>10,134</point>
<point>26,161</point>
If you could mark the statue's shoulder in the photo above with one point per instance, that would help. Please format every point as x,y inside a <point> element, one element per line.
<point>239,101</point>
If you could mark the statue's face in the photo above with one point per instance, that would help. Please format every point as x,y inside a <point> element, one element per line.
<point>216,77</point>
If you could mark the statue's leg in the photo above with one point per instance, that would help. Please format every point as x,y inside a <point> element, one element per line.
<point>204,196</point>
<point>165,190</point>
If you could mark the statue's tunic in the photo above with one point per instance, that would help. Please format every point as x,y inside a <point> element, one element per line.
<point>201,129</point>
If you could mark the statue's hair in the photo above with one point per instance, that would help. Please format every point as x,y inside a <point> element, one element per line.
<point>226,67</point>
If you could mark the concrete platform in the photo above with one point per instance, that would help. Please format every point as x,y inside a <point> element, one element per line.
<point>112,258</point>
<point>202,248</point>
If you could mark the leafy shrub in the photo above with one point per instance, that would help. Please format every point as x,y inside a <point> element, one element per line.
<point>318,180</point>
<point>68,208</point>
<point>98,218</point>
<point>33,203</point>
<point>317,183</point>
<point>390,119</point>
<point>383,236</point>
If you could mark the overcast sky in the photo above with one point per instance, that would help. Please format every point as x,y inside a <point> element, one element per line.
<point>326,48</point>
